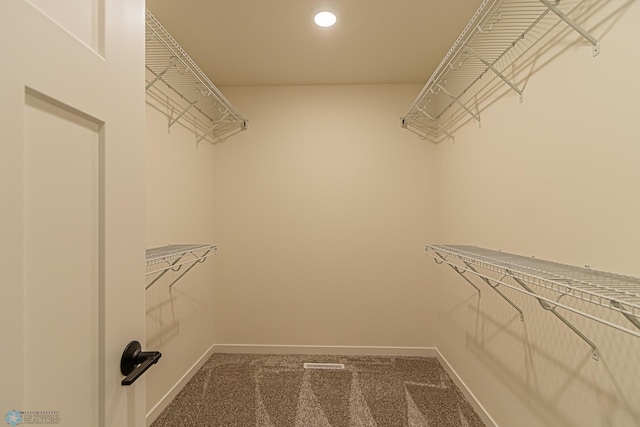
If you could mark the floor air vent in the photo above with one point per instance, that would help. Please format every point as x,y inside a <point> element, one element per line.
<point>323,366</point>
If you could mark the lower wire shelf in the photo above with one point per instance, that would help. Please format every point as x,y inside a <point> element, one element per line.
<point>528,275</point>
<point>173,257</point>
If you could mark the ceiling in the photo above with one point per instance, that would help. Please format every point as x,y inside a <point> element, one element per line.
<point>275,42</point>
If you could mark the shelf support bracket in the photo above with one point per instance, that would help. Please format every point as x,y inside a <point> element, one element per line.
<point>198,259</point>
<point>457,101</point>
<point>630,318</point>
<point>418,129</point>
<point>573,24</point>
<point>594,349</point>
<point>498,291</point>
<point>191,105</point>
<point>461,273</point>
<point>437,123</point>
<point>495,70</point>
<point>172,62</point>
<point>215,125</point>
<point>163,273</point>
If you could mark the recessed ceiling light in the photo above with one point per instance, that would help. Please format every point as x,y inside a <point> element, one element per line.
<point>325,18</point>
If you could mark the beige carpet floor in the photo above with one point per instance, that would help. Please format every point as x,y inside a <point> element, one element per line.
<point>276,391</point>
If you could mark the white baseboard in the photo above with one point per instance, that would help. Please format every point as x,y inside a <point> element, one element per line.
<point>482,413</point>
<point>173,392</point>
<point>322,349</point>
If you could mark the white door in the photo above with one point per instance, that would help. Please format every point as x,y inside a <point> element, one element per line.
<point>71,210</point>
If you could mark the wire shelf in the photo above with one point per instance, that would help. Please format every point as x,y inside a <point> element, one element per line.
<point>614,292</point>
<point>171,252</point>
<point>482,48</point>
<point>173,80</point>
<point>171,258</point>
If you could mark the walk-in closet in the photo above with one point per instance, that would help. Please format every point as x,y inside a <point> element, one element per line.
<point>418,213</point>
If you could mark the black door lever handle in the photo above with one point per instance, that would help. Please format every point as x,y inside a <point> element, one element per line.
<point>135,362</point>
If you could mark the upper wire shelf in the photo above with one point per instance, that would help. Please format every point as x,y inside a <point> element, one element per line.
<point>175,82</point>
<point>482,48</point>
<point>165,258</point>
<point>563,285</point>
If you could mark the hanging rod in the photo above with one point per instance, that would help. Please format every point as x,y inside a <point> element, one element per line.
<point>480,50</point>
<point>176,82</point>
<point>568,284</point>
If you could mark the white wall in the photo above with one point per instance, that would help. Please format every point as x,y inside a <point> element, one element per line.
<point>556,176</point>
<point>321,211</point>
<point>179,203</point>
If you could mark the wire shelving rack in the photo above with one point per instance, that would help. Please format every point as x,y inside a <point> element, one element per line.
<point>563,285</point>
<point>482,49</point>
<point>173,257</point>
<point>174,81</point>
